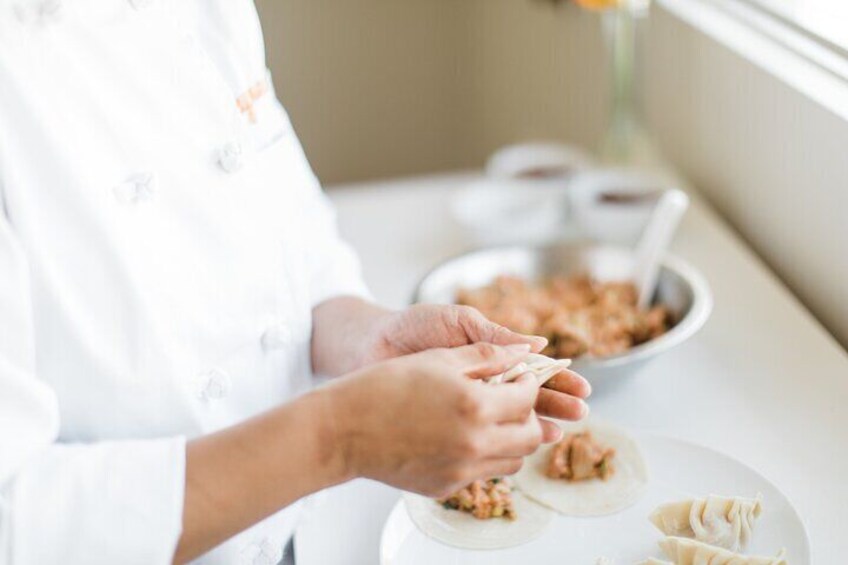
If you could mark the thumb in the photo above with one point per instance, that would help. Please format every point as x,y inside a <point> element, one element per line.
<point>482,359</point>
<point>479,328</point>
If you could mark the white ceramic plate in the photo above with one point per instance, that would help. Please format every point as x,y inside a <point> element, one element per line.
<point>678,470</point>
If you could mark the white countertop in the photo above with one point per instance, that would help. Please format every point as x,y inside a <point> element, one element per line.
<point>763,381</point>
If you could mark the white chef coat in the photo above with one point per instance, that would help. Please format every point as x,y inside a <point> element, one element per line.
<point>161,250</point>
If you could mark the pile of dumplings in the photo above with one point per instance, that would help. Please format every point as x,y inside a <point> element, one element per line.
<point>710,530</point>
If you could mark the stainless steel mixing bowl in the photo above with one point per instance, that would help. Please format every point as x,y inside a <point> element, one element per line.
<point>681,288</point>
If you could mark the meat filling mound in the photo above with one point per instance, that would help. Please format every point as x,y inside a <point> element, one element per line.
<point>577,314</point>
<point>483,499</point>
<point>578,457</point>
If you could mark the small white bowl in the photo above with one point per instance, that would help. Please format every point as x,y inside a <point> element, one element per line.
<point>501,211</point>
<point>537,160</point>
<point>614,206</point>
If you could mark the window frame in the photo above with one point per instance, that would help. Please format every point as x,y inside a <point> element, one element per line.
<point>782,31</point>
<point>770,7</point>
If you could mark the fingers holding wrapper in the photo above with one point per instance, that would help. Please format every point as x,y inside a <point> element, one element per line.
<point>565,400</point>
<point>542,368</point>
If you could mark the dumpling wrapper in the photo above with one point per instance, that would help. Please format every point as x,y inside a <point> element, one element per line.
<point>716,520</point>
<point>461,529</point>
<point>541,366</point>
<point>685,551</point>
<point>593,497</point>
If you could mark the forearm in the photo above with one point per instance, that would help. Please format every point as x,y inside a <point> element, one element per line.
<point>237,477</point>
<point>343,334</point>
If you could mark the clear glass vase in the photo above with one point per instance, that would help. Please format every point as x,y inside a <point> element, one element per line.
<point>624,142</point>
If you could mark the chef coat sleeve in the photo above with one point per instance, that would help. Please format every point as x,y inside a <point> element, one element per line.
<point>334,268</point>
<point>91,504</point>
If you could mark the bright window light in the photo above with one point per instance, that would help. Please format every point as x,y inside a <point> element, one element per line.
<point>825,19</point>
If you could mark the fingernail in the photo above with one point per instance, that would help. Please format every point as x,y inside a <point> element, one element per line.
<point>585,410</point>
<point>538,342</point>
<point>518,348</point>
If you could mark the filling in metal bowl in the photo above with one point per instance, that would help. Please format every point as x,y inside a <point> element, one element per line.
<point>578,315</point>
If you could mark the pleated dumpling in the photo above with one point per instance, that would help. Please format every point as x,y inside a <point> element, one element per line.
<point>541,366</point>
<point>717,520</point>
<point>685,551</point>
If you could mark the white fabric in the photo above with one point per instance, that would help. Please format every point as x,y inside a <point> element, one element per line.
<point>138,275</point>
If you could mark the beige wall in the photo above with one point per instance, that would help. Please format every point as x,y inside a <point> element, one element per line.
<point>371,85</point>
<point>380,88</point>
<point>535,72</point>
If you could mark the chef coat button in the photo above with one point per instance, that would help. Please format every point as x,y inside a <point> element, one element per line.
<point>262,552</point>
<point>276,336</point>
<point>39,13</point>
<point>269,554</point>
<point>230,157</point>
<point>140,187</point>
<point>216,384</point>
<point>24,14</point>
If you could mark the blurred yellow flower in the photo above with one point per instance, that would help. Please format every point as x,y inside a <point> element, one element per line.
<point>599,4</point>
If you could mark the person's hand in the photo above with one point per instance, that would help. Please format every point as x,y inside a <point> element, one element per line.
<point>429,326</point>
<point>426,423</point>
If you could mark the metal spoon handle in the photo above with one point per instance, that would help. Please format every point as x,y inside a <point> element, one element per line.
<point>655,241</point>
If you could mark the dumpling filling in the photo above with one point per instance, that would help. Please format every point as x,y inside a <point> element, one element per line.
<point>483,499</point>
<point>578,457</point>
<point>578,315</point>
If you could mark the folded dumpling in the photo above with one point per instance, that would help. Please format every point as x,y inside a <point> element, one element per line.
<point>717,520</point>
<point>541,366</point>
<point>685,551</point>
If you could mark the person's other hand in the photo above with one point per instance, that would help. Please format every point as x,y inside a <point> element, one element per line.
<point>428,326</point>
<point>426,423</point>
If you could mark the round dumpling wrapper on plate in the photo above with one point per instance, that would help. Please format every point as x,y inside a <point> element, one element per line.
<point>461,529</point>
<point>594,497</point>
